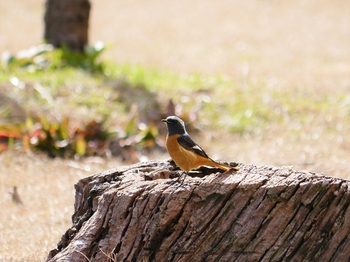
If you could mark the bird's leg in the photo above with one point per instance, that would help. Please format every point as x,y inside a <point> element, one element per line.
<point>183,180</point>
<point>179,175</point>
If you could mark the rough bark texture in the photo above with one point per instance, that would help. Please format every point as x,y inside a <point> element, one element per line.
<point>260,213</point>
<point>66,22</point>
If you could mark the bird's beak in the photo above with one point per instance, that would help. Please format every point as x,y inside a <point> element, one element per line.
<point>164,120</point>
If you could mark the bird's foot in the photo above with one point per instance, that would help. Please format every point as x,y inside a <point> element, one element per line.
<point>179,179</point>
<point>183,180</point>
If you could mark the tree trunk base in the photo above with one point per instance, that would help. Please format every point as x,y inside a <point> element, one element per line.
<point>67,23</point>
<point>260,213</point>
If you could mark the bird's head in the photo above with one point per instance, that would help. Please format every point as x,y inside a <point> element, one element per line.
<point>175,125</point>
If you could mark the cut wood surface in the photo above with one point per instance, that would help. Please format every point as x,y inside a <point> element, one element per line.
<point>260,213</point>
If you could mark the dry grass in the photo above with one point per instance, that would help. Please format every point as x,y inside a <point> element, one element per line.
<point>300,45</point>
<point>46,188</point>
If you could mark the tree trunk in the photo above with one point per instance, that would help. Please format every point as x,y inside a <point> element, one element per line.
<point>260,213</point>
<point>66,22</point>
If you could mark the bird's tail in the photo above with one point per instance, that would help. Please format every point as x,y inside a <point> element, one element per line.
<point>224,167</point>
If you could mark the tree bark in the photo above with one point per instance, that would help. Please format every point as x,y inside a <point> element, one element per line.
<point>66,22</point>
<point>260,213</point>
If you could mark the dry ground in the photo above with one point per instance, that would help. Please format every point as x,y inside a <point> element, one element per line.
<point>301,45</point>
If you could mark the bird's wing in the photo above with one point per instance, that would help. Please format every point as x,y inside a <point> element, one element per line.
<point>186,142</point>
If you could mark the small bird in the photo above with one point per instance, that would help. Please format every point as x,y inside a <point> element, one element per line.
<point>15,196</point>
<point>184,151</point>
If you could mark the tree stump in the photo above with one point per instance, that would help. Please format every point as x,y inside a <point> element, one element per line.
<point>66,23</point>
<point>260,213</point>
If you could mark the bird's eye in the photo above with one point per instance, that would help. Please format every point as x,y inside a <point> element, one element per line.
<point>172,121</point>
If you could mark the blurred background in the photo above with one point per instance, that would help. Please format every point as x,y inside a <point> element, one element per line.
<point>261,82</point>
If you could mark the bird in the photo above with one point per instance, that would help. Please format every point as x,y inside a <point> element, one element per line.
<point>15,196</point>
<point>186,154</point>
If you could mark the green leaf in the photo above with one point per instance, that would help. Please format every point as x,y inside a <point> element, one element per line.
<point>81,145</point>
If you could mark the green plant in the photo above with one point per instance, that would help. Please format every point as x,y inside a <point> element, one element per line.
<point>87,60</point>
<point>56,138</point>
<point>64,139</point>
<point>44,56</point>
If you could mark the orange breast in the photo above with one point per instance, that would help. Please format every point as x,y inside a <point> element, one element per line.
<point>183,158</point>
<point>188,160</point>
